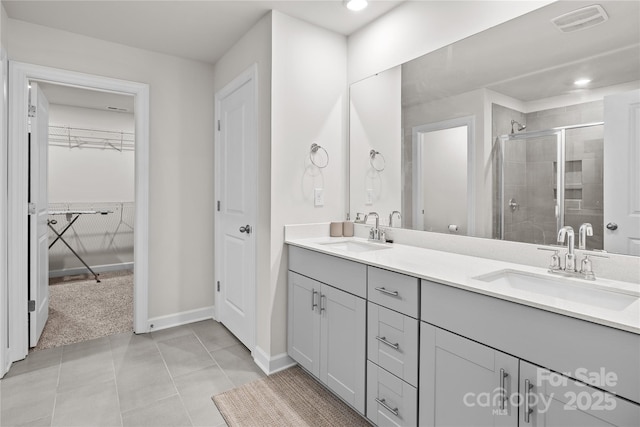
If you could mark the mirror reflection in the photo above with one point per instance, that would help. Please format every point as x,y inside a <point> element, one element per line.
<point>512,133</point>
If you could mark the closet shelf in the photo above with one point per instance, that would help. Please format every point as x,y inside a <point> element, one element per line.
<point>71,137</point>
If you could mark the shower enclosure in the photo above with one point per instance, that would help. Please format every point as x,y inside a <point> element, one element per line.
<point>548,179</point>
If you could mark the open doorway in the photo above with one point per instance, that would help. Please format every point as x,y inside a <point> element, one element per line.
<point>90,175</point>
<point>444,155</point>
<point>15,336</point>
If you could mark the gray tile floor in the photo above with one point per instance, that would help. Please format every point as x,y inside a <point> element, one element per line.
<point>164,378</point>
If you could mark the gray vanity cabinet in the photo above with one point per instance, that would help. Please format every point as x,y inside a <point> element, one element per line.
<point>356,328</point>
<point>392,369</point>
<point>327,336</point>
<point>326,331</point>
<point>463,383</point>
<point>452,366</point>
<point>552,400</point>
<point>343,345</point>
<point>303,331</point>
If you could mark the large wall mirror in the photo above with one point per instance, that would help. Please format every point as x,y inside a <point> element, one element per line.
<point>511,133</point>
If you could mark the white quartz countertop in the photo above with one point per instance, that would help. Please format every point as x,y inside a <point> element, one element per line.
<point>461,271</point>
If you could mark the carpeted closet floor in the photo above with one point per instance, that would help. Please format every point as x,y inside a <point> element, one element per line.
<point>81,309</point>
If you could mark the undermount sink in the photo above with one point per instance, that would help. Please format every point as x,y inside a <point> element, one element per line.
<point>354,246</point>
<point>562,288</point>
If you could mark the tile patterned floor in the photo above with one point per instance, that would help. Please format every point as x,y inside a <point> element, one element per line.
<point>165,378</point>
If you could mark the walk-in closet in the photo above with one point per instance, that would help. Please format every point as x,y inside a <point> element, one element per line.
<point>90,219</point>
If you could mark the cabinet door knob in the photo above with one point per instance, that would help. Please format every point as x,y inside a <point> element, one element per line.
<point>612,226</point>
<point>245,229</point>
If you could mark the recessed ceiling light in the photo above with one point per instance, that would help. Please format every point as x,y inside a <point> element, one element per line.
<point>356,5</point>
<point>582,82</point>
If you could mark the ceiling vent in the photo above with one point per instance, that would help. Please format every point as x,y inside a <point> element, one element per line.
<point>580,19</point>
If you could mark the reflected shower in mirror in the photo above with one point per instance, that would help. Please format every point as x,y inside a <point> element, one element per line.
<point>550,139</point>
<point>555,173</point>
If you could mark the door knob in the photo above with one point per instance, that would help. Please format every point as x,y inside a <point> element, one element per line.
<point>612,226</point>
<point>245,229</point>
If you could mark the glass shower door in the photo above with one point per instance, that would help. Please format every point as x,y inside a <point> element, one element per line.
<point>532,183</point>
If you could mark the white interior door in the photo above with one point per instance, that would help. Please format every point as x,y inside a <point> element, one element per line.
<point>38,231</point>
<point>236,241</point>
<point>621,173</point>
<point>444,152</point>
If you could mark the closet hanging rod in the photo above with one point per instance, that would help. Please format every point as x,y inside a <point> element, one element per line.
<point>76,137</point>
<point>91,130</point>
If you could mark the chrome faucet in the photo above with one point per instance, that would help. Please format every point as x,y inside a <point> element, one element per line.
<point>586,268</point>
<point>570,257</point>
<point>585,230</point>
<point>391,217</point>
<point>375,233</point>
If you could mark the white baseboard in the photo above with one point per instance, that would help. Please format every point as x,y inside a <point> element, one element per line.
<point>271,365</point>
<point>98,269</point>
<point>182,318</point>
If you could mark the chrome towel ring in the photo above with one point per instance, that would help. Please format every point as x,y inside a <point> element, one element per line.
<point>313,151</point>
<point>372,155</point>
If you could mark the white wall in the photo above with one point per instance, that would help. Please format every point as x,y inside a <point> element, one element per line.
<point>418,27</point>
<point>309,104</point>
<point>255,47</point>
<point>90,174</point>
<point>180,151</point>
<point>4,307</point>
<point>375,123</point>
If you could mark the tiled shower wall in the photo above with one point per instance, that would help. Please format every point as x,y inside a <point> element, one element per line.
<point>530,173</point>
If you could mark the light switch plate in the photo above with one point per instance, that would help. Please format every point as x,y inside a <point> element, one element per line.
<point>369,200</point>
<point>318,197</point>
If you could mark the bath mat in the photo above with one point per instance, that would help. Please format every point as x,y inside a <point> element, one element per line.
<point>287,398</point>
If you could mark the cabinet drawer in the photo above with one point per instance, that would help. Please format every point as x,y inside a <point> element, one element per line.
<point>393,290</point>
<point>393,342</point>
<point>346,275</point>
<point>390,401</point>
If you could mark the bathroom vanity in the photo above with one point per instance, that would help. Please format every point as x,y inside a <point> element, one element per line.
<point>412,336</point>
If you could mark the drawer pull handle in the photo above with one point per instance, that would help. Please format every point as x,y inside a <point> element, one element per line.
<point>503,391</point>
<point>387,407</point>
<point>527,403</point>
<point>384,291</point>
<point>383,340</point>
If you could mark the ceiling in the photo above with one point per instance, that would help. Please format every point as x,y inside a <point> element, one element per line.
<point>200,30</point>
<point>529,59</point>
<point>87,98</point>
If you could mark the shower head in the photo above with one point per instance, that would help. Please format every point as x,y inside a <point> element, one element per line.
<point>521,127</point>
